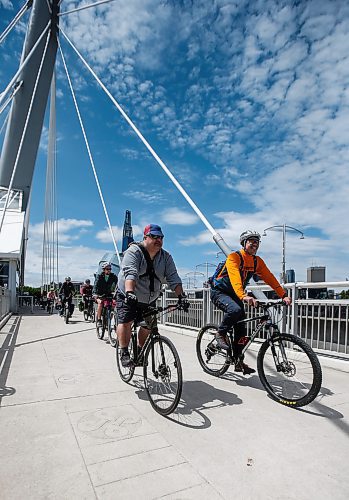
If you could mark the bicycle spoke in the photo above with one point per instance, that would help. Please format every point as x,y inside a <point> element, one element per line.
<point>164,381</point>
<point>295,376</point>
<point>212,359</point>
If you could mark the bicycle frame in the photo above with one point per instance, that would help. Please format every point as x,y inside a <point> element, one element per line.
<point>264,322</point>
<point>153,334</point>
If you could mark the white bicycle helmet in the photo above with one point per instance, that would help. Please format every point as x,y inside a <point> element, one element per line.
<point>246,235</point>
<point>106,264</point>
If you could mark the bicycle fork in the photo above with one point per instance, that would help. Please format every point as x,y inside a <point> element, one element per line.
<point>280,366</point>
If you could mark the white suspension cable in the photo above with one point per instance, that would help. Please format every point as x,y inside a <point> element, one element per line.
<point>90,155</point>
<point>5,121</point>
<point>24,63</point>
<point>216,236</point>
<point>24,131</point>
<point>49,6</point>
<point>218,239</point>
<point>14,21</point>
<point>16,88</point>
<point>85,7</point>
<point>48,256</point>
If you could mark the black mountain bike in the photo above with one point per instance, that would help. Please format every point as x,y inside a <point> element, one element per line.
<point>162,369</point>
<point>108,306</point>
<point>287,366</point>
<point>89,313</point>
<point>66,311</point>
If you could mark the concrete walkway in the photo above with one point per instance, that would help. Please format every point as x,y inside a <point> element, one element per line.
<point>71,429</point>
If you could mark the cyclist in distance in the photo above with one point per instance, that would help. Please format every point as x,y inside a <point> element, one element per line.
<point>86,292</point>
<point>228,293</point>
<point>66,292</point>
<point>144,268</point>
<point>51,296</point>
<point>105,284</point>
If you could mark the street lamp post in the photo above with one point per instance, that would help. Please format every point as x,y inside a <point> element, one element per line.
<point>284,228</point>
<point>193,274</point>
<point>207,265</point>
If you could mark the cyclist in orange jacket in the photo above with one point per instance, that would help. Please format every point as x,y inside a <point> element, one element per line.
<point>228,292</point>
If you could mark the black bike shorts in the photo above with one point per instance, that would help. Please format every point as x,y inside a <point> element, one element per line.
<point>127,313</point>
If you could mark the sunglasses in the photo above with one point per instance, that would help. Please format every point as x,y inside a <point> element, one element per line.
<point>107,269</point>
<point>155,237</point>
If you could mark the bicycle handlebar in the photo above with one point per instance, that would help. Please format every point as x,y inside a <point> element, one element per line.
<point>153,311</point>
<point>266,305</point>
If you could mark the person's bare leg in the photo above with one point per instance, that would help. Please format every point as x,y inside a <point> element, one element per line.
<point>124,334</point>
<point>99,309</point>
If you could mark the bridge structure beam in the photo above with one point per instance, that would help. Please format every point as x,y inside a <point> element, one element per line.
<point>39,18</point>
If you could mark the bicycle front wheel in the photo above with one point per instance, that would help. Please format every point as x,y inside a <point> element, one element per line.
<point>289,370</point>
<point>101,329</point>
<point>162,371</point>
<point>126,372</point>
<point>66,315</point>
<point>86,315</point>
<point>212,359</point>
<point>113,323</point>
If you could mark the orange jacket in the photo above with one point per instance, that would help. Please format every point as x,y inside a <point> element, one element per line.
<point>233,267</point>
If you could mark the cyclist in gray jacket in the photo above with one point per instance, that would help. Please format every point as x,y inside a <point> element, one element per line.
<point>144,268</point>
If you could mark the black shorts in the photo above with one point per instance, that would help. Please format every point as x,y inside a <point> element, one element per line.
<point>128,313</point>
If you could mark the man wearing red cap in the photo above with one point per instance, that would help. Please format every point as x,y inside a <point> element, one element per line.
<point>144,268</point>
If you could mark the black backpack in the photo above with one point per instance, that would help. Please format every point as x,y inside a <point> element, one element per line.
<point>150,265</point>
<point>221,272</point>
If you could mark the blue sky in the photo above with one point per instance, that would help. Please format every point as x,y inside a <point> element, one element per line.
<point>246,102</point>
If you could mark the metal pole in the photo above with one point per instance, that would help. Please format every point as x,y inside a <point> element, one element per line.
<point>283,275</point>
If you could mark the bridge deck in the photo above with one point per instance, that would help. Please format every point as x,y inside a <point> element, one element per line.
<point>71,429</point>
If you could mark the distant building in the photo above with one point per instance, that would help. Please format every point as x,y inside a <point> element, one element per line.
<point>290,276</point>
<point>316,274</point>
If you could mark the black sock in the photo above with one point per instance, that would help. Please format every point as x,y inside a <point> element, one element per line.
<point>124,350</point>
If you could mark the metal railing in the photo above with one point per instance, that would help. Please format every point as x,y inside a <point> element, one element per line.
<point>5,299</point>
<point>322,323</point>
<point>25,302</point>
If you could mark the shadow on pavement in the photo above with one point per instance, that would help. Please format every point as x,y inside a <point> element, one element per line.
<point>6,354</point>
<point>54,337</point>
<point>316,408</point>
<point>197,398</point>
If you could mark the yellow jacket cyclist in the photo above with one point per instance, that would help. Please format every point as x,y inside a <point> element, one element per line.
<point>228,292</point>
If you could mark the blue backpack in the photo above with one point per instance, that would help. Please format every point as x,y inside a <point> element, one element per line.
<point>217,279</point>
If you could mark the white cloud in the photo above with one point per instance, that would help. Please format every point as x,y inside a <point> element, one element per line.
<point>179,217</point>
<point>105,237</point>
<point>75,260</point>
<point>7,4</point>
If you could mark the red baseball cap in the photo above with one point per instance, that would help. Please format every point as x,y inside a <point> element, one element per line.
<point>153,229</point>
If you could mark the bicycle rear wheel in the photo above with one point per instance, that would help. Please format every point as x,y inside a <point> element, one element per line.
<point>289,370</point>
<point>212,358</point>
<point>162,371</point>
<point>113,323</point>
<point>126,372</point>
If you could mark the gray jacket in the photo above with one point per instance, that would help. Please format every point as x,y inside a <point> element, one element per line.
<point>133,265</point>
